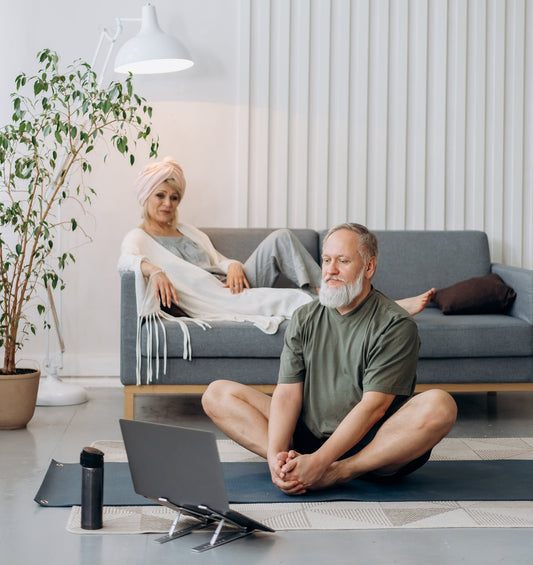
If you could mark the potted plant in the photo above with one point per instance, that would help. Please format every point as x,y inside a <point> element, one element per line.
<point>54,128</point>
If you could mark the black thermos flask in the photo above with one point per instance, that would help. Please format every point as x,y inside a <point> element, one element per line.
<point>92,488</point>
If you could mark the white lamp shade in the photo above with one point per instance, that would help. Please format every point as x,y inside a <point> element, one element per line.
<point>152,51</point>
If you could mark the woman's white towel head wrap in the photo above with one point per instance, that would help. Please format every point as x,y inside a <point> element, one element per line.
<point>155,174</point>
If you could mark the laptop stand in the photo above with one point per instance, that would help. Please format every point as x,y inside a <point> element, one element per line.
<point>205,516</point>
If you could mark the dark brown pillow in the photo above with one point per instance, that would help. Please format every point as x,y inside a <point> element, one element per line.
<point>479,295</point>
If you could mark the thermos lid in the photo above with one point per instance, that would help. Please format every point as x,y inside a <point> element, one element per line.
<point>92,457</point>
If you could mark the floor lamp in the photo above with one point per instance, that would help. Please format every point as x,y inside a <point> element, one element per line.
<point>150,52</point>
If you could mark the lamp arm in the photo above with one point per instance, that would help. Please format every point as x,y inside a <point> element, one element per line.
<point>112,38</point>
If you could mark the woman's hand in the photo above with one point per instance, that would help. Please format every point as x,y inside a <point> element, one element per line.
<point>164,290</point>
<point>236,279</point>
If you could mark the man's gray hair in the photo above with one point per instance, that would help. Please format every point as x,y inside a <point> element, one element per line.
<point>368,240</point>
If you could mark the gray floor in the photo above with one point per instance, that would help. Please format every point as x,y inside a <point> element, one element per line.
<point>31,534</point>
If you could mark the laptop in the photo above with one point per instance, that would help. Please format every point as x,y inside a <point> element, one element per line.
<point>180,468</point>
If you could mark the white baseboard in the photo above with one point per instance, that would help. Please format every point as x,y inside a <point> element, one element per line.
<point>95,382</point>
<point>92,382</point>
<point>76,366</point>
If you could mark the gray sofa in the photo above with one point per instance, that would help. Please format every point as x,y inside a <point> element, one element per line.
<point>489,352</point>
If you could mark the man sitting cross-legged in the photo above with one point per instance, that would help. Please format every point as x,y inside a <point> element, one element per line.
<point>344,405</point>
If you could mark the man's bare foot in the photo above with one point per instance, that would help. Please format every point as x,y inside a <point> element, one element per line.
<point>330,478</point>
<point>416,304</point>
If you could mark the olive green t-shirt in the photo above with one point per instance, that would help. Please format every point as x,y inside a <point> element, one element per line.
<point>338,357</point>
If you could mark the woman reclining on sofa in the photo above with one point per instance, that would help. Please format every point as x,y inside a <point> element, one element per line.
<point>185,269</point>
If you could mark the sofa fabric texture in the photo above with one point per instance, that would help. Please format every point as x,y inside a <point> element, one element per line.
<point>469,348</point>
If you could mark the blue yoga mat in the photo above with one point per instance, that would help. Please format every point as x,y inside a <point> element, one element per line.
<point>250,483</point>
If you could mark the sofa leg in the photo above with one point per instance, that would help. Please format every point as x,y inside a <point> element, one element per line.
<point>129,403</point>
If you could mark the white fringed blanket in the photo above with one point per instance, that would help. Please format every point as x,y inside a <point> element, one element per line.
<point>201,294</point>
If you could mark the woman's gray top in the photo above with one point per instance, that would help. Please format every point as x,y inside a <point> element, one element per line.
<point>188,250</point>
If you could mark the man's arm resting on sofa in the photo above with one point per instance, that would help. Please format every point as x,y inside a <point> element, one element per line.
<point>521,280</point>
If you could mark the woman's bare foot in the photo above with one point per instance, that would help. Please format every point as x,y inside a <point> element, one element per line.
<point>416,304</point>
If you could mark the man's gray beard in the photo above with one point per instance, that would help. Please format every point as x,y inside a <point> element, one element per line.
<point>342,296</point>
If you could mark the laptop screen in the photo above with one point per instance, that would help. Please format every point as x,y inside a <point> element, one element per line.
<point>179,464</point>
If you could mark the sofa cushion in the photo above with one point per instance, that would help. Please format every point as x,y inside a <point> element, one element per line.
<point>491,335</point>
<point>411,262</point>
<point>478,295</point>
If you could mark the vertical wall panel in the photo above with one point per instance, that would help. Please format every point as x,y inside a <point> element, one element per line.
<point>494,125</point>
<point>259,128</point>
<point>279,116</point>
<point>243,114</point>
<point>404,114</point>
<point>513,133</point>
<point>358,122</point>
<point>377,114</point>
<point>455,116</point>
<point>397,114</point>
<point>527,217</point>
<point>339,112</point>
<point>319,80</point>
<point>475,115</point>
<point>415,199</point>
<point>299,113</point>
<point>436,115</point>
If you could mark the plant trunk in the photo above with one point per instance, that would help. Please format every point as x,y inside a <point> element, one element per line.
<point>10,350</point>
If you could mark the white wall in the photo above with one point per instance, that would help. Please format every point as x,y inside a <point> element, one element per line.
<point>399,114</point>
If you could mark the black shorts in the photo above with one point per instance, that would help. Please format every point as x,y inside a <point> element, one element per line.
<point>304,441</point>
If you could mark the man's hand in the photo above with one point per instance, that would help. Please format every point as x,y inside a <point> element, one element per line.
<point>275,463</point>
<point>236,280</point>
<point>306,469</point>
<point>312,472</point>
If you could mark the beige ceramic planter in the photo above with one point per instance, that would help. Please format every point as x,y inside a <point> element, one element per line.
<point>18,395</point>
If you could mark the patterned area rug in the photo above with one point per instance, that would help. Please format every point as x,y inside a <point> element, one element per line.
<point>342,515</point>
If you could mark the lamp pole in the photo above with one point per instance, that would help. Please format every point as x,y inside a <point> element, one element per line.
<point>151,51</point>
<point>53,391</point>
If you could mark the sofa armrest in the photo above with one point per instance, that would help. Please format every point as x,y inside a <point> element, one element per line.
<point>521,280</point>
<point>128,327</point>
